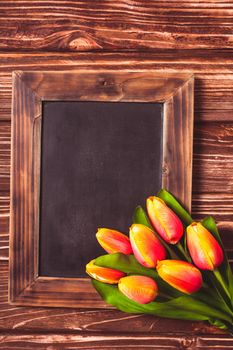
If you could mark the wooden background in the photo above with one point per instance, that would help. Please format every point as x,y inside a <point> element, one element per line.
<point>172,36</point>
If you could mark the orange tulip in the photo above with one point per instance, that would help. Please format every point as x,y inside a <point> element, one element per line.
<point>113,241</point>
<point>103,274</point>
<point>146,246</point>
<point>164,220</point>
<point>181,275</point>
<point>204,249</point>
<point>141,289</point>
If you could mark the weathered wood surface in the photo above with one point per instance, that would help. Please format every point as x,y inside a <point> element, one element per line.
<point>213,73</point>
<point>58,25</point>
<point>111,341</point>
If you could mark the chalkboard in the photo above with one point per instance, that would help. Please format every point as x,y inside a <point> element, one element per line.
<point>99,160</point>
<point>87,148</point>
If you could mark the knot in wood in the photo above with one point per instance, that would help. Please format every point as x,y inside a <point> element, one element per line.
<point>188,343</point>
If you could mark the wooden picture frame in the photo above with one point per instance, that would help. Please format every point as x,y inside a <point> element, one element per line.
<point>30,89</point>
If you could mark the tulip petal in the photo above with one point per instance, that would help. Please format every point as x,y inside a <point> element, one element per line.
<point>141,289</point>
<point>204,249</point>
<point>164,220</point>
<point>103,274</point>
<point>113,241</point>
<point>146,247</point>
<point>180,275</point>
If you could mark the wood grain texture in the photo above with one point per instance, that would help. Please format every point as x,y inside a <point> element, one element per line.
<point>29,90</point>
<point>178,143</point>
<point>213,73</point>
<point>213,165</point>
<point>58,25</point>
<point>115,342</point>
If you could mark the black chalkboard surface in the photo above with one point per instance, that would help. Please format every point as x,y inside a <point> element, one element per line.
<point>99,160</point>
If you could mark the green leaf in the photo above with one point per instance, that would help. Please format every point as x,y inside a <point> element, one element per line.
<point>129,265</point>
<point>209,296</point>
<point>183,307</point>
<point>125,263</point>
<point>222,325</point>
<point>225,268</point>
<point>114,297</point>
<point>172,202</point>
<point>140,217</point>
<point>218,324</point>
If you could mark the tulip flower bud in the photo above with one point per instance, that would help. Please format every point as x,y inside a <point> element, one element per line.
<point>141,289</point>
<point>204,249</point>
<point>164,220</point>
<point>147,248</point>
<point>181,275</point>
<point>113,241</point>
<point>103,274</point>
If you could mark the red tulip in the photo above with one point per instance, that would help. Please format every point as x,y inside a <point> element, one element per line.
<point>164,220</point>
<point>181,275</point>
<point>113,241</point>
<point>147,248</point>
<point>103,274</point>
<point>141,289</point>
<point>204,249</point>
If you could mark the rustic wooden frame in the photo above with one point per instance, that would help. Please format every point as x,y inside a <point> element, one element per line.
<point>30,89</point>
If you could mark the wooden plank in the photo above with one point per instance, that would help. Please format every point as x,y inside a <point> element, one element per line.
<point>213,73</point>
<point>5,139</point>
<point>213,166</point>
<point>115,342</point>
<point>58,25</point>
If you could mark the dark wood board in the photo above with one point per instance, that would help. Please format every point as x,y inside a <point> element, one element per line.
<point>99,161</point>
<point>115,342</point>
<point>62,25</point>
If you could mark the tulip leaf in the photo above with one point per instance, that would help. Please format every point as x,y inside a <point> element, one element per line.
<point>172,202</point>
<point>125,263</point>
<point>129,265</point>
<point>209,296</point>
<point>222,325</point>
<point>140,217</point>
<point>114,297</point>
<point>225,268</point>
<point>184,307</point>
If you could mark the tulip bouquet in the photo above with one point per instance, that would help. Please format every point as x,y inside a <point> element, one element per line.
<point>170,266</point>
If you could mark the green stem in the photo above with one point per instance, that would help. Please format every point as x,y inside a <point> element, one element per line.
<point>221,281</point>
<point>183,252</point>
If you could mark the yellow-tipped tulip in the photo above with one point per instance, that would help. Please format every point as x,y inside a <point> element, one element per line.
<point>181,275</point>
<point>204,249</point>
<point>141,289</point>
<point>146,246</point>
<point>113,241</point>
<point>103,274</point>
<point>164,220</point>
